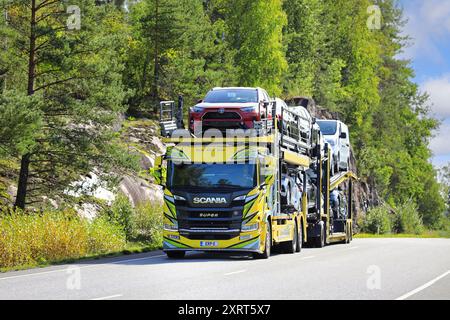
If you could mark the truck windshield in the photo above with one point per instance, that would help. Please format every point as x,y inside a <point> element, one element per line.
<point>327,127</point>
<point>239,176</point>
<point>232,95</point>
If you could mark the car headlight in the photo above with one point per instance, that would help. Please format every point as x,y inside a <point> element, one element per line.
<point>250,227</point>
<point>248,109</point>
<point>171,227</point>
<point>197,109</point>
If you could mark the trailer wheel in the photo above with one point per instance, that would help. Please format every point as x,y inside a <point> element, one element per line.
<point>175,254</point>
<point>298,247</point>
<point>320,241</point>
<point>267,245</point>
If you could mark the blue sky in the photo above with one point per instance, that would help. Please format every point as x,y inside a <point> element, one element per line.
<point>429,26</point>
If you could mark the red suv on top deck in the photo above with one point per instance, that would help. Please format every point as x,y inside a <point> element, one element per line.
<point>230,108</point>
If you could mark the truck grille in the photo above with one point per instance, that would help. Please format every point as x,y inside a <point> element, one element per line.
<point>223,224</point>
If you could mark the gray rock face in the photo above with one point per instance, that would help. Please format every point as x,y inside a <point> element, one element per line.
<point>140,191</point>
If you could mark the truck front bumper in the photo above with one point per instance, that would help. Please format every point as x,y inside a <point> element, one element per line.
<point>245,242</point>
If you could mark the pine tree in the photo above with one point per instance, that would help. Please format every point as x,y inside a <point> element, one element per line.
<point>72,80</point>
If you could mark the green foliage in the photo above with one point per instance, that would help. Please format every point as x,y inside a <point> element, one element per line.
<point>60,110</point>
<point>121,213</point>
<point>377,221</point>
<point>147,224</point>
<point>32,239</point>
<point>407,219</point>
<point>260,57</point>
<point>143,223</point>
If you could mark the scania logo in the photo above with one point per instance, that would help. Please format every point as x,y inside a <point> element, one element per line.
<point>221,111</point>
<point>208,215</point>
<point>206,200</point>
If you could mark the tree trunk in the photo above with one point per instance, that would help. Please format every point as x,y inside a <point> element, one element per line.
<point>22,185</point>
<point>23,182</point>
<point>156,55</point>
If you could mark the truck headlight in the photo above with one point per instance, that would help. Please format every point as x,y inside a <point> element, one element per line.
<point>250,227</point>
<point>240,198</point>
<point>171,227</point>
<point>179,198</point>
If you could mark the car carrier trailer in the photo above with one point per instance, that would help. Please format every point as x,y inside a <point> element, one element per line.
<point>223,194</point>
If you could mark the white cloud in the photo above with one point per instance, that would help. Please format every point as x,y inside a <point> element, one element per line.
<point>429,26</point>
<point>440,144</point>
<point>439,91</point>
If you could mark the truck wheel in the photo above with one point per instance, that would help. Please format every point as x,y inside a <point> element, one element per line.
<point>267,246</point>
<point>175,254</point>
<point>298,247</point>
<point>347,235</point>
<point>320,241</point>
<point>291,246</point>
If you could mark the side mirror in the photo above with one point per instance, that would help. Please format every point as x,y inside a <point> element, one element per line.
<point>200,101</point>
<point>158,173</point>
<point>343,135</point>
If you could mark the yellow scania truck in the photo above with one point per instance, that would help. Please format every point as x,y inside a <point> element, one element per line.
<point>224,194</point>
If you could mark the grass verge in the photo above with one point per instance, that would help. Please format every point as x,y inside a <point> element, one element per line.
<point>425,234</point>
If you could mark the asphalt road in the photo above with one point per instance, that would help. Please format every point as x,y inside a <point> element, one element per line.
<point>364,269</point>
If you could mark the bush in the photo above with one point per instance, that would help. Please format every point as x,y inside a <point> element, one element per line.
<point>32,239</point>
<point>147,224</point>
<point>105,237</point>
<point>407,219</point>
<point>120,214</point>
<point>377,220</point>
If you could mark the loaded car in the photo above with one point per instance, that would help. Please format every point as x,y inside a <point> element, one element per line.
<point>230,108</point>
<point>296,122</point>
<point>336,134</point>
<point>292,189</point>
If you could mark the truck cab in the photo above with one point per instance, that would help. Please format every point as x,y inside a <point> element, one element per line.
<point>211,204</point>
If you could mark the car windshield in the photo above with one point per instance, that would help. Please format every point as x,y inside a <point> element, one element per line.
<point>328,127</point>
<point>240,176</point>
<point>232,95</point>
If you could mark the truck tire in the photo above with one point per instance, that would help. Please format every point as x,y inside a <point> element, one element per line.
<point>319,241</point>
<point>298,248</point>
<point>267,245</point>
<point>291,246</point>
<point>175,254</point>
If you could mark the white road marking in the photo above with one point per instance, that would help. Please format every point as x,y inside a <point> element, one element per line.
<point>426,285</point>
<point>83,267</point>
<point>108,297</point>
<point>308,257</point>
<point>234,272</point>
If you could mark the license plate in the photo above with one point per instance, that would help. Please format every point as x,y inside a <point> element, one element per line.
<point>209,243</point>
